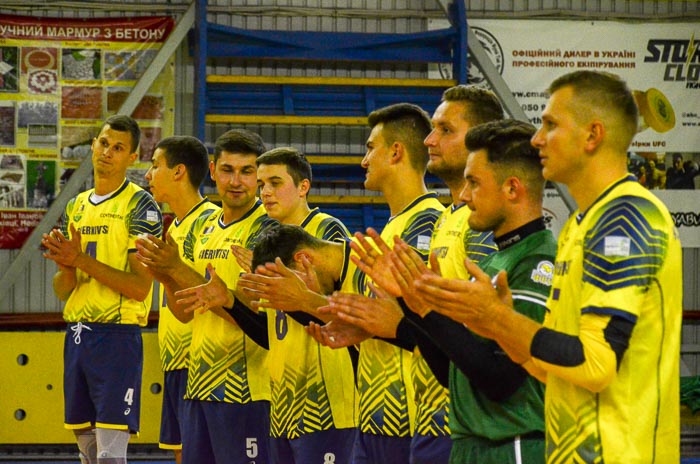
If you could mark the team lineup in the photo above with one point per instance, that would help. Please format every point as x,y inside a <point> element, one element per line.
<point>466,333</point>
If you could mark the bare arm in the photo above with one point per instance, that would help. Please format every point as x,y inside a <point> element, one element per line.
<point>134,283</point>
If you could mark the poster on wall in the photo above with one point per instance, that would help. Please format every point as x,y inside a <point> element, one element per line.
<point>661,65</point>
<point>59,80</point>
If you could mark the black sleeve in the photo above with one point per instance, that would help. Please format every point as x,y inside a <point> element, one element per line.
<point>405,338</point>
<point>253,324</point>
<point>437,361</point>
<point>484,363</point>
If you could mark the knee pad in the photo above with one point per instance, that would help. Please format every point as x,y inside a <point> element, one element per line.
<point>111,446</point>
<point>87,446</point>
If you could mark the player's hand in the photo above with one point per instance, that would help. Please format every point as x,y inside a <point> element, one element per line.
<point>375,261</point>
<point>474,303</point>
<point>277,286</point>
<point>62,250</point>
<point>244,257</point>
<point>337,334</point>
<point>161,257</point>
<point>212,294</point>
<point>379,316</point>
<point>408,266</point>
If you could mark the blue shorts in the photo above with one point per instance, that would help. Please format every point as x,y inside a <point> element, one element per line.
<point>428,449</point>
<point>371,449</point>
<point>174,386</point>
<point>325,447</point>
<point>102,376</point>
<point>226,433</point>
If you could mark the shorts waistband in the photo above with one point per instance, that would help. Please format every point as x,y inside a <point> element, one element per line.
<point>103,327</point>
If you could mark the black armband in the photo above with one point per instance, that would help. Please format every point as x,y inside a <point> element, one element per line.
<point>253,324</point>
<point>557,348</point>
<point>405,339</point>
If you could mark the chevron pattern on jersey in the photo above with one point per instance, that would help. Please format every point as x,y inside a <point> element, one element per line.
<point>214,376</point>
<point>432,401</point>
<point>630,221</point>
<point>383,411</point>
<point>572,442</point>
<point>174,350</point>
<point>479,245</point>
<point>286,405</point>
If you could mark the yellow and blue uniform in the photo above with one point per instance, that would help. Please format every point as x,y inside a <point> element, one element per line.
<point>618,265</point>
<point>305,398</point>
<point>103,354</point>
<point>108,232</point>
<point>387,397</point>
<point>228,382</point>
<point>174,336</point>
<point>225,365</point>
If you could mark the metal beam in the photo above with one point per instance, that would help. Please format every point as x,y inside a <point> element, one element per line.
<point>81,174</point>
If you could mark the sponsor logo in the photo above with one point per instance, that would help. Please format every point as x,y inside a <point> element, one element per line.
<point>681,57</point>
<point>543,273</point>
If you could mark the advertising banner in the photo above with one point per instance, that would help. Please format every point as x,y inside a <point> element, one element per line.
<point>659,62</point>
<point>59,80</point>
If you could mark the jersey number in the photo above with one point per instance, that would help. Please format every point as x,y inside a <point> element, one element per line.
<point>129,397</point>
<point>251,447</point>
<point>91,249</point>
<point>281,324</point>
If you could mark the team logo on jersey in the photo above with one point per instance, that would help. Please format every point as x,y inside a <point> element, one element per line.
<point>543,273</point>
<point>78,215</point>
<point>206,231</point>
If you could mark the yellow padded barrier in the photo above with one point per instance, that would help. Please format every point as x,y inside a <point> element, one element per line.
<point>31,389</point>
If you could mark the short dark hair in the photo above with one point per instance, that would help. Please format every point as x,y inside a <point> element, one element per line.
<point>282,241</point>
<point>406,123</point>
<point>124,123</point>
<point>508,147</point>
<point>297,165</point>
<point>188,151</point>
<point>481,105</point>
<point>240,141</point>
<point>603,91</point>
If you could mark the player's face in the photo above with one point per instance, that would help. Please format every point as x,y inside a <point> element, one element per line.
<point>160,177</point>
<point>446,149</point>
<point>560,139</point>
<point>483,194</point>
<point>376,159</point>
<point>279,194</point>
<point>112,153</point>
<point>236,179</point>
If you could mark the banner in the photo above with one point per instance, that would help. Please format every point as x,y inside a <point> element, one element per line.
<point>659,62</point>
<point>59,80</point>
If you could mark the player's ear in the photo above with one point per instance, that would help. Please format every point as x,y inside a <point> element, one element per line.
<point>512,187</point>
<point>595,136</point>
<point>398,151</point>
<point>304,187</point>
<point>299,255</point>
<point>180,171</point>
